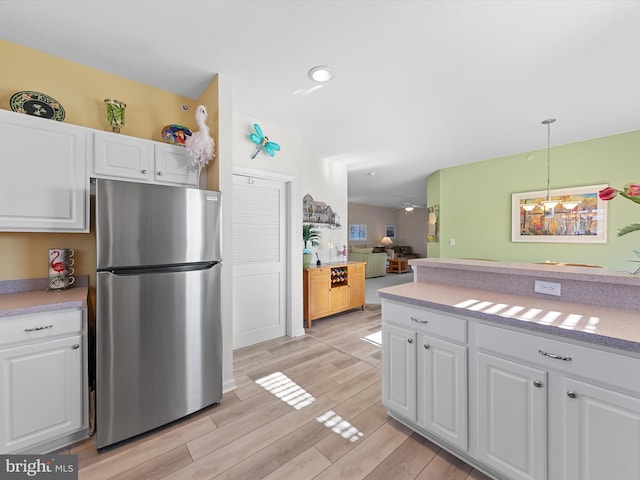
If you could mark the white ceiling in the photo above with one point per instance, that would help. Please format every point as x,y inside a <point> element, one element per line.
<point>418,86</point>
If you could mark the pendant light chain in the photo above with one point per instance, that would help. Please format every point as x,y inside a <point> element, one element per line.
<point>548,123</point>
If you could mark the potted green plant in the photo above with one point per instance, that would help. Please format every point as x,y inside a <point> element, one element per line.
<point>311,237</point>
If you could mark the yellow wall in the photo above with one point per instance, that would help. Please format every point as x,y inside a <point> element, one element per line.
<point>210,98</point>
<point>81,90</point>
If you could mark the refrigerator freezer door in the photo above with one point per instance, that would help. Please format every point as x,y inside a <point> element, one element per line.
<point>159,350</point>
<point>141,224</point>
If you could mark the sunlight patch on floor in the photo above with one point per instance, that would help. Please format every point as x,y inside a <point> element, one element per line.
<point>286,390</point>
<point>374,338</point>
<point>340,426</point>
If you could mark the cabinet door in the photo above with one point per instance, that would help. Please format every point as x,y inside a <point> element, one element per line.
<point>41,392</point>
<point>399,371</point>
<point>123,157</point>
<point>602,431</point>
<point>172,166</point>
<point>43,180</point>
<point>339,298</point>
<point>511,414</point>
<point>442,389</point>
<point>356,285</point>
<point>319,293</point>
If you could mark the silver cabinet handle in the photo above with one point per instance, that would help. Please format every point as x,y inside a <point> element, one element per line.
<point>554,355</point>
<point>75,346</point>
<point>537,384</point>
<point>143,171</point>
<point>417,320</point>
<point>159,174</point>
<point>35,329</point>
<point>571,394</point>
<point>410,340</point>
<point>427,346</point>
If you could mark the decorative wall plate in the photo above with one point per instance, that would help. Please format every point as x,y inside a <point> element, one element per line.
<point>175,134</point>
<point>37,104</point>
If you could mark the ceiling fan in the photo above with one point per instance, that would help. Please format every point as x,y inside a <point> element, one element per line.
<point>408,207</point>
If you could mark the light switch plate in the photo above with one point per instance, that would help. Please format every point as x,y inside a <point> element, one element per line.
<point>548,288</point>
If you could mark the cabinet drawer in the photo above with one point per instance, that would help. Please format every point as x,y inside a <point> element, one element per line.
<point>319,272</point>
<point>588,363</point>
<point>424,320</point>
<point>42,325</point>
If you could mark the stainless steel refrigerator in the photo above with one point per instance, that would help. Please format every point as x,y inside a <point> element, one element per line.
<point>158,325</point>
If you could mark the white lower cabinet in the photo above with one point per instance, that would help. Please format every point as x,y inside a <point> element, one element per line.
<point>602,429</point>
<point>399,370</point>
<point>547,408</point>
<point>43,404</point>
<point>541,407</point>
<point>424,377</point>
<point>442,389</point>
<point>511,413</point>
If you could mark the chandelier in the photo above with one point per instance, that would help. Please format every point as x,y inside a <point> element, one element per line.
<point>548,206</point>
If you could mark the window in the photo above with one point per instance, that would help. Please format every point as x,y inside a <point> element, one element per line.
<point>357,232</point>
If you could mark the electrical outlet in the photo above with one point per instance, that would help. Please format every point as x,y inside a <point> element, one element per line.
<point>548,288</point>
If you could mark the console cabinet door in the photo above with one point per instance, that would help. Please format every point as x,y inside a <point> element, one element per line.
<point>41,392</point>
<point>399,370</point>
<point>319,292</point>
<point>339,298</point>
<point>43,180</point>
<point>512,418</point>
<point>442,389</point>
<point>123,157</point>
<point>602,429</point>
<point>356,285</point>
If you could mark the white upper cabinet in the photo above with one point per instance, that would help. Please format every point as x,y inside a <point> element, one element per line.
<point>122,156</point>
<point>172,165</point>
<point>45,167</point>
<point>43,176</point>
<point>139,160</point>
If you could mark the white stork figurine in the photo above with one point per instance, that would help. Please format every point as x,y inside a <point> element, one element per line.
<point>200,146</point>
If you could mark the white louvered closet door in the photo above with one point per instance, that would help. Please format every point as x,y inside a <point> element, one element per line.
<point>259,260</point>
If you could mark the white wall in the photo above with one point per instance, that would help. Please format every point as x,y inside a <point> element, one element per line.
<point>326,181</point>
<point>224,156</point>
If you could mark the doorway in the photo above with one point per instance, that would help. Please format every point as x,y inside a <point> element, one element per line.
<point>259,259</point>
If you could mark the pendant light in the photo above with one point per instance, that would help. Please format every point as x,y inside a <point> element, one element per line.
<point>549,204</point>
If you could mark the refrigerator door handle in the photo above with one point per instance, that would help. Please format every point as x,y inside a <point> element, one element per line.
<point>182,267</point>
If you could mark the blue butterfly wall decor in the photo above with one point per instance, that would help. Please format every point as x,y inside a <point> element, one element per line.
<point>262,142</point>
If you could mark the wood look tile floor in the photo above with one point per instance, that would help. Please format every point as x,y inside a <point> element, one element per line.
<point>325,422</point>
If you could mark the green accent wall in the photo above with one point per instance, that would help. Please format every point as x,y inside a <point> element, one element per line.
<point>475,202</point>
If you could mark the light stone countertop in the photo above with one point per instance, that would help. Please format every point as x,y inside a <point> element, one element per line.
<point>606,326</point>
<point>22,297</point>
<point>540,270</point>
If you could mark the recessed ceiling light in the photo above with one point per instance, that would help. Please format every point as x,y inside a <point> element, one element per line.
<point>320,74</point>
<point>372,174</point>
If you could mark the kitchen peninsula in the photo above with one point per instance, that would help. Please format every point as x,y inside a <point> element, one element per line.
<point>520,384</point>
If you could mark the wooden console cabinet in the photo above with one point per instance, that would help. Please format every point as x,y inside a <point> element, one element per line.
<point>333,288</point>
